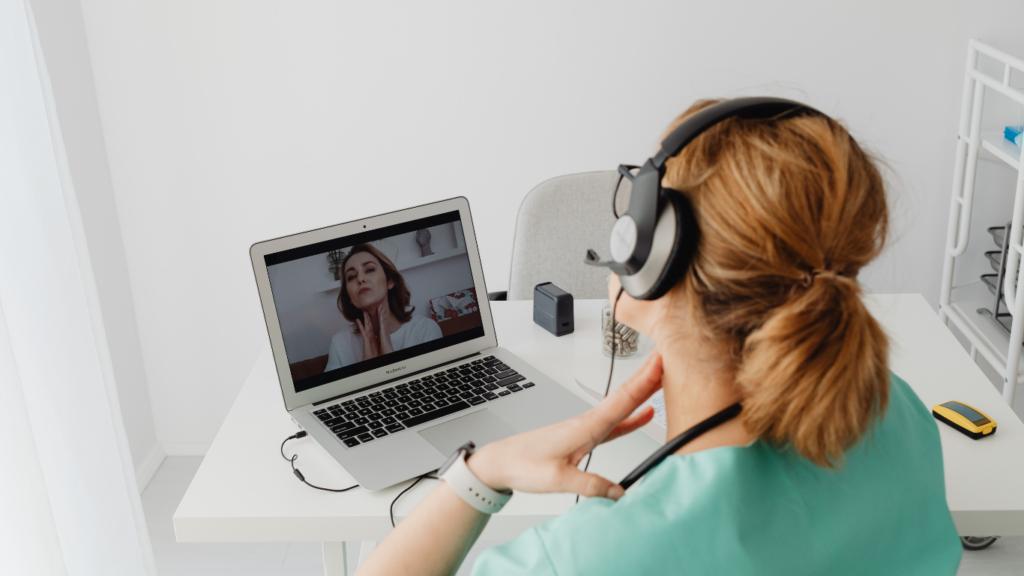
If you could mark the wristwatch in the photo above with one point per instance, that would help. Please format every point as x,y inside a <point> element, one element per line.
<point>461,479</point>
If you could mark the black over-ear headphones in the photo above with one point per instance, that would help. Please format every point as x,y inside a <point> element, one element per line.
<point>652,243</point>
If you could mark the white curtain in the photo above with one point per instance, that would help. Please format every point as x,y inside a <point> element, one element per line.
<point>68,499</point>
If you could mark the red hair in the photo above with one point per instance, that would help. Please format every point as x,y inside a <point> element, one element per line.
<point>789,211</point>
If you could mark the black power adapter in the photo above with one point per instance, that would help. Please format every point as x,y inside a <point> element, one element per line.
<point>552,309</point>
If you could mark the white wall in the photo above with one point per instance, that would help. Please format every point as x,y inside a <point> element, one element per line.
<point>231,122</point>
<point>60,406</point>
<point>62,37</point>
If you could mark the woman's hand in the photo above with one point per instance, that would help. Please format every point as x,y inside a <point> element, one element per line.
<point>435,537</point>
<point>370,346</point>
<point>385,334</point>
<point>546,460</point>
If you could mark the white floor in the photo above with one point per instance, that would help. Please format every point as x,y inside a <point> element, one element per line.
<point>168,486</point>
<point>1003,558</point>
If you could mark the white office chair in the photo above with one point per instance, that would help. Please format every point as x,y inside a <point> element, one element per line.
<point>557,222</point>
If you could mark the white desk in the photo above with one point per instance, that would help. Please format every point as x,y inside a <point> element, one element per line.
<point>245,492</point>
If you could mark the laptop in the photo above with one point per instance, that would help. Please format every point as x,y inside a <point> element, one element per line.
<point>384,344</point>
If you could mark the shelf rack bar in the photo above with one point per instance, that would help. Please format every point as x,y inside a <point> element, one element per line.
<point>996,53</point>
<point>958,178</point>
<point>998,86</point>
<point>973,146</point>
<point>1014,299</point>
<point>980,344</point>
<point>958,229</point>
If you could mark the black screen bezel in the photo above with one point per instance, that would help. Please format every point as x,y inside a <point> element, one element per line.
<point>362,367</point>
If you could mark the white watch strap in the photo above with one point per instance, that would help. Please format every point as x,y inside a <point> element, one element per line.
<point>471,489</point>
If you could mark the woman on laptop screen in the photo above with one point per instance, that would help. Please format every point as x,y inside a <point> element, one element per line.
<point>375,298</point>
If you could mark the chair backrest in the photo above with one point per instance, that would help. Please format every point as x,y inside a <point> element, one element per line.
<point>558,220</point>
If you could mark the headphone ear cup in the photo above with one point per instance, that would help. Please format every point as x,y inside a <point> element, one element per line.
<point>684,246</point>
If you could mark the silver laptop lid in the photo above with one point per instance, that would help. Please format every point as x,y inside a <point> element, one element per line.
<point>424,258</point>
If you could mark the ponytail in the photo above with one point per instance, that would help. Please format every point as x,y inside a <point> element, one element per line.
<point>774,198</point>
<point>814,376</point>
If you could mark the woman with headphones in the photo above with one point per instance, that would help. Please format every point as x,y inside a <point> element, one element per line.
<point>833,465</point>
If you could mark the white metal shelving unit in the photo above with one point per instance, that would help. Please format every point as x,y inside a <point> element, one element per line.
<point>961,303</point>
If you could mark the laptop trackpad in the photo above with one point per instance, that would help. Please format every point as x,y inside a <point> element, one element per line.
<point>481,427</point>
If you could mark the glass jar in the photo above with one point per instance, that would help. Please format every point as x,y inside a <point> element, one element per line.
<point>626,340</point>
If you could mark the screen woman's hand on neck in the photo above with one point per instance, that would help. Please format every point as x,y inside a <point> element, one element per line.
<point>385,332</point>
<point>370,347</point>
<point>368,287</point>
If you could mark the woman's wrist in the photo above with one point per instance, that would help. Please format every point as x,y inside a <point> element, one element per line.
<point>485,466</point>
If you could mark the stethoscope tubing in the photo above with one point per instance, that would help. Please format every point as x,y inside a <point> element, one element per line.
<point>679,441</point>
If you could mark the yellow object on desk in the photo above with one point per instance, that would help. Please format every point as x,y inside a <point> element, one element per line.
<point>965,418</point>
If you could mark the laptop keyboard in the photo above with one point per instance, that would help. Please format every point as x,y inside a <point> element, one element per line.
<point>391,410</point>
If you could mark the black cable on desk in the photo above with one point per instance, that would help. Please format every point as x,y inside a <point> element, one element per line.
<point>298,474</point>
<point>303,434</point>
<point>402,493</point>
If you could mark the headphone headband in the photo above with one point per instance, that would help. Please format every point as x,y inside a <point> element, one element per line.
<point>652,242</point>
<point>758,107</point>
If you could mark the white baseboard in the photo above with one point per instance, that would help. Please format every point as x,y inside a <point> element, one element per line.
<point>147,468</point>
<point>186,448</point>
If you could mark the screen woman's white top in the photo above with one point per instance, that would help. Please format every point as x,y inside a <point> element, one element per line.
<point>347,348</point>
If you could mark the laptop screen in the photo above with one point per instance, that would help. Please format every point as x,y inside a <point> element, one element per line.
<point>360,302</point>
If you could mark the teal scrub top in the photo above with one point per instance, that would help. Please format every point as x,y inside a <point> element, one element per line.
<point>756,509</point>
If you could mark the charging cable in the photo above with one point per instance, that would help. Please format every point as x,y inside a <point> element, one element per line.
<point>611,370</point>
<point>407,488</point>
<point>298,474</point>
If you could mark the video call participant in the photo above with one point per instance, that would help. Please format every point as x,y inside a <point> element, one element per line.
<point>375,298</point>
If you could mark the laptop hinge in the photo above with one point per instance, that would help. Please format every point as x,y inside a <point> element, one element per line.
<point>402,377</point>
